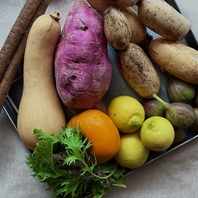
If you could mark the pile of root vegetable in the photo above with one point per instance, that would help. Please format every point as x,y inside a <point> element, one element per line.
<point>69,69</point>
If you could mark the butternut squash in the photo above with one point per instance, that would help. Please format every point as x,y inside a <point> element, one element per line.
<point>40,106</point>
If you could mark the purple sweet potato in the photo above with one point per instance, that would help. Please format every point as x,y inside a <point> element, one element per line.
<point>82,68</point>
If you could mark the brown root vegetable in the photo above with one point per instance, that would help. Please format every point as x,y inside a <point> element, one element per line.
<point>123,3</point>
<point>176,58</point>
<point>138,29</point>
<point>116,28</point>
<point>16,57</point>
<point>163,19</point>
<point>16,32</point>
<point>138,71</point>
<point>99,5</point>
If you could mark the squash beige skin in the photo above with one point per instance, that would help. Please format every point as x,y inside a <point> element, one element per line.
<point>176,58</point>
<point>163,19</point>
<point>138,71</point>
<point>40,106</point>
<point>138,29</point>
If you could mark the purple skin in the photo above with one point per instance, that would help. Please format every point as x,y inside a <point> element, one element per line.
<point>82,68</point>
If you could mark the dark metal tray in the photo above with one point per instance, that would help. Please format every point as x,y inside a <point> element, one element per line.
<point>13,99</point>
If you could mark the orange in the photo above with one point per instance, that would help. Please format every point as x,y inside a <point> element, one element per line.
<point>101,132</point>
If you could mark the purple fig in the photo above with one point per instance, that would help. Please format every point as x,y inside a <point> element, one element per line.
<point>179,90</point>
<point>153,107</point>
<point>194,126</point>
<point>180,135</point>
<point>181,115</point>
<point>196,99</point>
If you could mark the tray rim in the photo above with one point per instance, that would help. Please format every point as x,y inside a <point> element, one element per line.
<point>11,110</point>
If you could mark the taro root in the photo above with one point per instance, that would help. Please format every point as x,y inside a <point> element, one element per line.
<point>181,115</point>
<point>194,126</point>
<point>179,90</point>
<point>153,107</point>
<point>123,3</point>
<point>116,28</point>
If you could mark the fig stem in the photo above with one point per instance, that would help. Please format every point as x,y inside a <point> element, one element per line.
<point>165,104</point>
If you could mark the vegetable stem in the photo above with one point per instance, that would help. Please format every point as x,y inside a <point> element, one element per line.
<point>165,104</point>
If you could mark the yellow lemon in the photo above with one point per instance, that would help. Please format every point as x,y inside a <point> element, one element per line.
<point>132,153</point>
<point>157,133</point>
<point>127,113</point>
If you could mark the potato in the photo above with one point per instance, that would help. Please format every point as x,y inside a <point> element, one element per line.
<point>138,71</point>
<point>82,68</point>
<point>138,29</point>
<point>116,28</point>
<point>163,19</point>
<point>176,58</point>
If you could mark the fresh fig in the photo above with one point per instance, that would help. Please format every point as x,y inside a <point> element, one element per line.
<point>180,135</point>
<point>179,90</point>
<point>153,107</point>
<point>181,115</point>
<point>194,126</point>
<point>196,99</point>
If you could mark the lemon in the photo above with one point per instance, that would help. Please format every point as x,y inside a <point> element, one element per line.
<point>127,113</point>
<point>157,133</point>
<point>132,153</point>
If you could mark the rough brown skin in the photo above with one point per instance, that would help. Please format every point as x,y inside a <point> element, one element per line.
<point>163,19</point>
<point>138,71</point>
<point>15,57</point>
<point>16,32</point>
<point>177,59</point>
<point>124,3</point>
<point>99,5</point>
<point>116,28</point>
<point>138,29</point>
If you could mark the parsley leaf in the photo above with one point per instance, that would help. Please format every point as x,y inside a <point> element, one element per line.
<point>64,163</point>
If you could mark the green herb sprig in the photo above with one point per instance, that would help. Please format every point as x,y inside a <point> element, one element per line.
<point>64,163</point>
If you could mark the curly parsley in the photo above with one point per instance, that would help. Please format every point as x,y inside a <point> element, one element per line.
<point>65,164</point>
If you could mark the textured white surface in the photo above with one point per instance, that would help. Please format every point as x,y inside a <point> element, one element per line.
<point>174,175</point>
